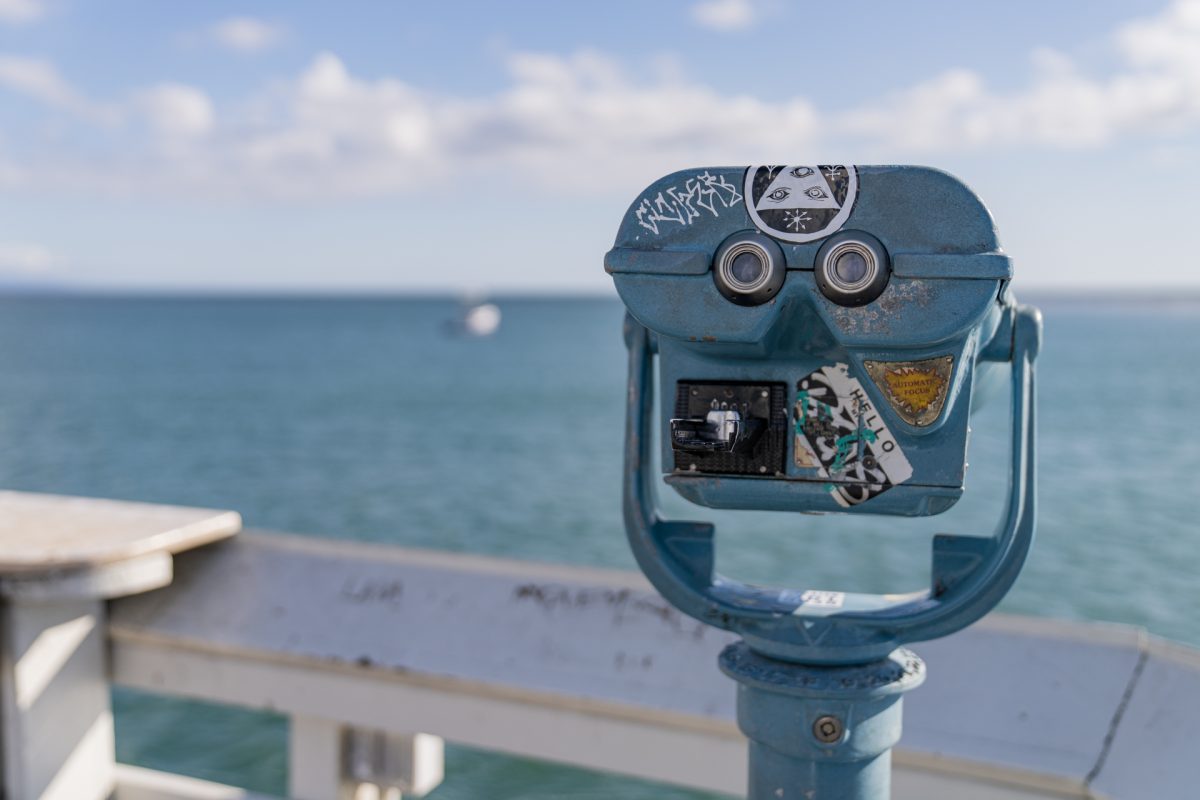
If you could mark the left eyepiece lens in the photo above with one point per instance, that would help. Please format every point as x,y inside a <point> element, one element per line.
<point>748,268</point>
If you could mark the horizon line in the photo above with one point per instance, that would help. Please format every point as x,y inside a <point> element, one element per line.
<point>1141,294</point>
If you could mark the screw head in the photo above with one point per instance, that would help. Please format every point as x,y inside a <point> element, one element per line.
<point>828,729</point>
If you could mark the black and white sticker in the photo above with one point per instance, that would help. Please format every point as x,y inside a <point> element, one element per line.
<point>812,600</point>
<point>800,204</point>
<point>816,598</point>
<point>839,434</point>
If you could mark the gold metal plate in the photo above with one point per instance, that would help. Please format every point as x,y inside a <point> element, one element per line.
<point>915,389</point>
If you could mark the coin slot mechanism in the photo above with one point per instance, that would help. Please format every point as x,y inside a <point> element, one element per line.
<point>730,428</point>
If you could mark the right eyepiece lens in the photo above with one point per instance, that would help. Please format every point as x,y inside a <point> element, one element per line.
<point>747,268</point>
<point>850,267</point>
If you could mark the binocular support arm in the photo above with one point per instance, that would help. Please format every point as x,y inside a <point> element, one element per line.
<point>970,574</point>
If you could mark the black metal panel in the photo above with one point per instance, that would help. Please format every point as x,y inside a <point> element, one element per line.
<point>766,401</point>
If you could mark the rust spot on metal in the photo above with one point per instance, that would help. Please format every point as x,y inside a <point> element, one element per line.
<point>868,319</point>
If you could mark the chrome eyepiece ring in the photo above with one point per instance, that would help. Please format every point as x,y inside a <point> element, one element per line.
<point>749,268</point>
<point>852,268</point>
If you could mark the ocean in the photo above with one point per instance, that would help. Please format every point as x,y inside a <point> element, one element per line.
<point>362,419</point>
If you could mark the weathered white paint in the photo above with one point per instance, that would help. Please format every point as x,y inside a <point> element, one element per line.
<point>314,769</point>
<point>60,558</point>
<point>328,760</point>
<point>136,783</point>
<point>1155,750</point>
<point>98,581</point>
<point>392,763</point>
<point>44,657</point>
<point>54,702</point>
<point>592,668</point>
<point>382,651</point>
<point>517,723</point>
<point>41,532</point>
<point>1025,694</point>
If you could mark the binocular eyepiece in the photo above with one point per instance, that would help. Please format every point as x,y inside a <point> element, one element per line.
<point>851,269</point>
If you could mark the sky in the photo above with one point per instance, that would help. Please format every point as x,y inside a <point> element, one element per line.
<point>484,146</point>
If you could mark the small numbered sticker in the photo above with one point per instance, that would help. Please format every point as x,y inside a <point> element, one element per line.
<point>814,598</point>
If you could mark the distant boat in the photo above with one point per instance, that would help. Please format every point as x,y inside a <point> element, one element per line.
<point>476,319</point>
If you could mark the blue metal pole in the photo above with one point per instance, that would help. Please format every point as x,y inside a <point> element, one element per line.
<point>820,733</point>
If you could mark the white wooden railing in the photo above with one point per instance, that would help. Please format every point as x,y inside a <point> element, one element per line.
<point>378,654</point>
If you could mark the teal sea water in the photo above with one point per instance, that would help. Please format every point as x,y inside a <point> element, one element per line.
<point>362,419</point>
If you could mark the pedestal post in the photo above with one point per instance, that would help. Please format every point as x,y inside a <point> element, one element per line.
<point>820,732</point>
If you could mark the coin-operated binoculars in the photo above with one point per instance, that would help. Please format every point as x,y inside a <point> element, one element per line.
<point>820,332</point>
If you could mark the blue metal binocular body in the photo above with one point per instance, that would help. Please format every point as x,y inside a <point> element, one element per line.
<point>820,334</point>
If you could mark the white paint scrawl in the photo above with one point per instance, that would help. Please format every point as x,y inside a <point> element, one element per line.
<point>681,206</point>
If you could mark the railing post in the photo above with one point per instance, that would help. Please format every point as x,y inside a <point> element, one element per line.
<point>397,764</point>
<point>56,728</point>
<point>314,766</point>
<point>60,560</point>
<point>329,761</point>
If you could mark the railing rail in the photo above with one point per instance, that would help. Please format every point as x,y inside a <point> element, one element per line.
<point>378,653</point>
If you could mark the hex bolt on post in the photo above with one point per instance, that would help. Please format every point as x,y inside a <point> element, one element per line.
<point>828,729</point>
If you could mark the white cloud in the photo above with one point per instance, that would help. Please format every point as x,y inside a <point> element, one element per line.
<point>725,15</point>
<point>1170,38</point>
<point>21,11</point>
<point>245,34</point>
<point>175,110</point>
<point>40,80</point>
<point>36,78</point>
<point>1154,90</point>
<point>170,109</point>
<point>585,122</point>
<point>577,122</point>
<point>25,258</point>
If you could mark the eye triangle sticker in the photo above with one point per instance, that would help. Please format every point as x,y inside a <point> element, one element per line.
<point>798,187</point>
<point>800,203</point>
